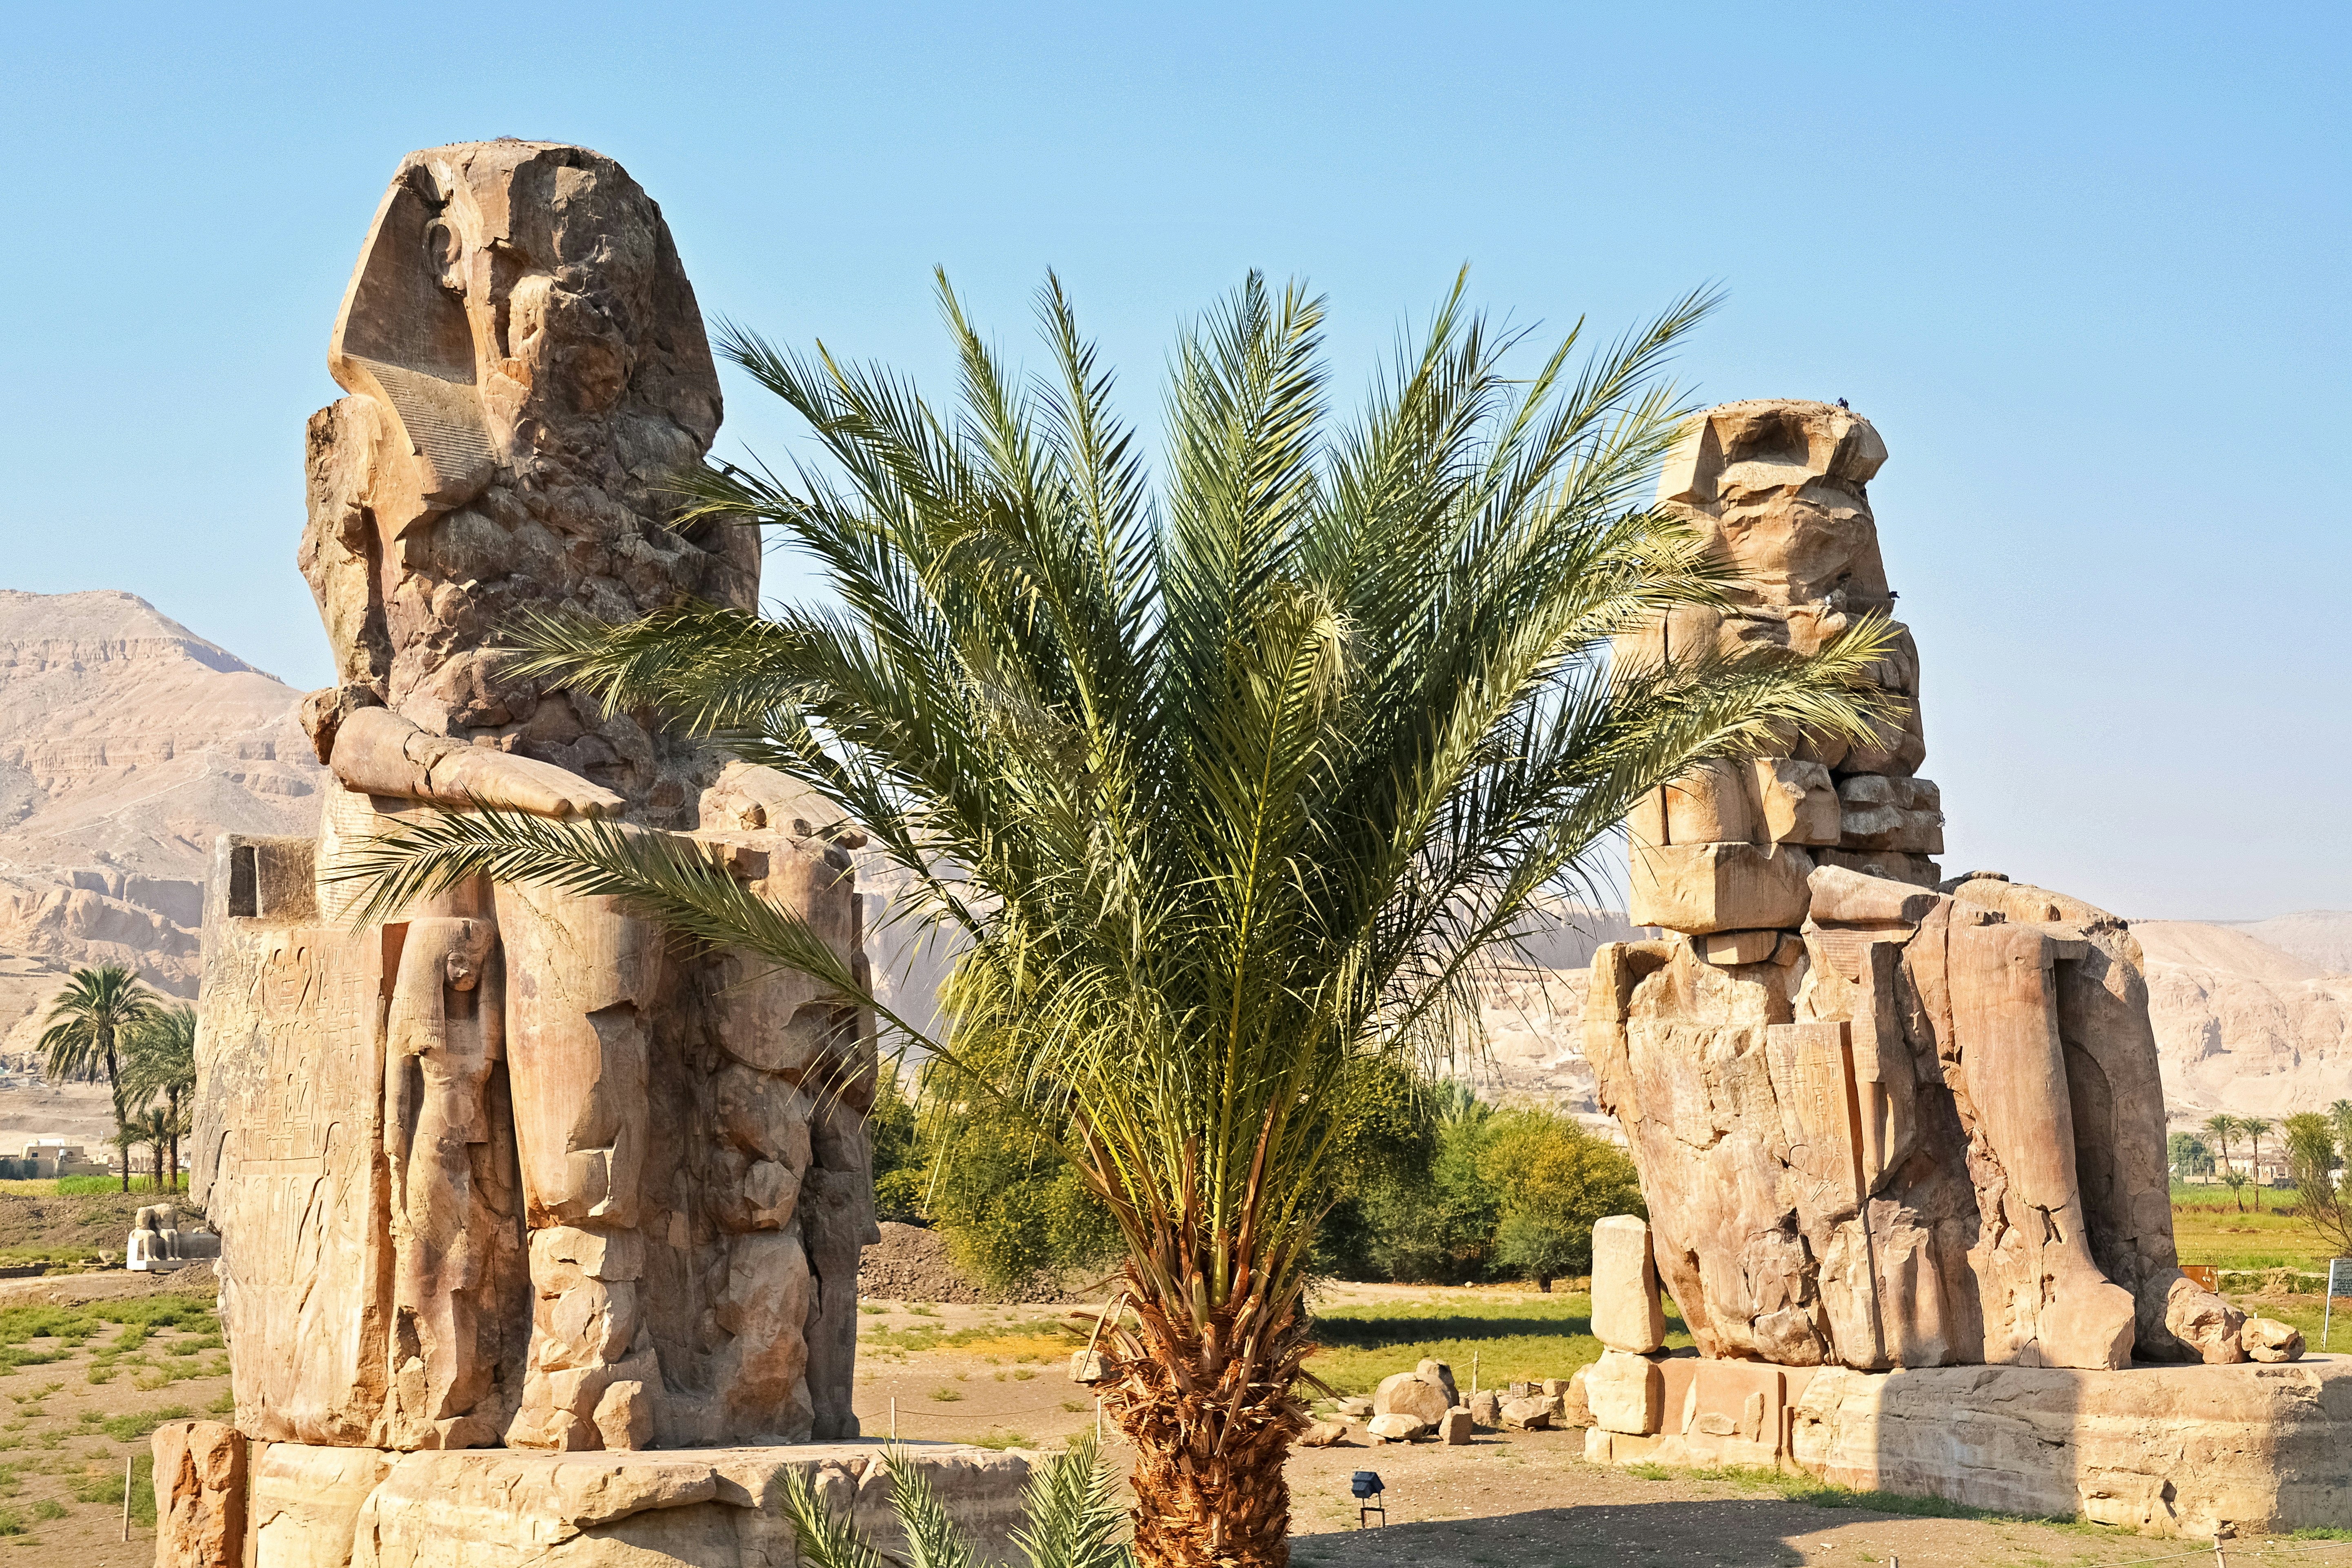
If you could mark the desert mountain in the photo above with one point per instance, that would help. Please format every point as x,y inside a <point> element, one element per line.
<point>126,742</point>
<point>2245,1025</point>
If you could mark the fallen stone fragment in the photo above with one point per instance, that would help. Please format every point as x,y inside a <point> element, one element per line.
<point>1324,1435</point>
<point>1455,1429</point>
<point>1396,1428</point>
<point>1423,1398</point>
<point>1356,1408</point>
<point>1533,1414</point>
<point>2267,1339</point>
<point>1486,1407</point>
<point>199,1495</point>
<point>1575,1409</point>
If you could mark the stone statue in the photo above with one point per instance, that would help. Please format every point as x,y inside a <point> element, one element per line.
<point>513,1168</point>
<point>1880,1121</point>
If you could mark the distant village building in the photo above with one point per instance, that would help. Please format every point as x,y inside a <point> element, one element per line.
<point>46,1159</point>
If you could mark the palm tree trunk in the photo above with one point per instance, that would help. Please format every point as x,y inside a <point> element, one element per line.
<point>1210,1432</point>
<point>121,1131</point>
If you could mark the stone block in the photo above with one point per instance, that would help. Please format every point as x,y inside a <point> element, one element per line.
<point>466,1509</point>
<point>1486,1407</point>
<point>1357,1408</point>
<point>307,1501</point>
<point>1438,1373</point>
<point>1894,865</point>
<point>1626,1314</point>
<point>1399,1428</point>
<point>1837,895</point>
<point>2268,1340</point>
<point>1455,1429</point>
<point>200,1495</point>
<point>1708,804</point>
<point>1796,802</point>
<point>1323,1435</point>
<point>2185,1450</point>
<point>1532,1414</point>
<point>1701,888</point>
<point>1726,948</point>
<point>1575,1410</point>
<point>1626,1393</point>
<point>1423,1397</point>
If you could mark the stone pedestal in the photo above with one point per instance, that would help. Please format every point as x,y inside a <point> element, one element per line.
<point>307,1507</point>
<point>2185,1450</point>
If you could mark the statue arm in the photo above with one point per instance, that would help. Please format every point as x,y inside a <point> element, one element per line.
<point>377,751</point>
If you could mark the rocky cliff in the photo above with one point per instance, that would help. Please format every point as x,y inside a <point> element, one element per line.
<point>126,742</point>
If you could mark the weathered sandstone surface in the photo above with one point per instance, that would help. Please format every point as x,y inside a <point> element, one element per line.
<point>2185,1450</point>
<point>305,1507</point>
<point>1878,1123</point>
<point>511,1167</point>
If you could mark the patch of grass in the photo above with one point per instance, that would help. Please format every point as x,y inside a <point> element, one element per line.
<point>1001,1440</point>
<point>49,1508</point>
<point>1073,1406</point>
<point>947,1396</point>
<point>137,1424</point>
<point>1548,1336</point>
<point>2321,1532</point>
<point>225,1405</point>
<point>11,1521</point>
<point>872,1309</point>
<point>2228,1239</point>
<point>106,1487</point>
<point>69,1187</point>
<point>1041,1337</point>
<point>1022,1374</point>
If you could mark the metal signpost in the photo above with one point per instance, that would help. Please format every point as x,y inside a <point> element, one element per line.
<point>2339,1283</point>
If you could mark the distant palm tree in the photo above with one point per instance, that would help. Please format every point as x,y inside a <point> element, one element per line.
<point>162,1061</point>
<point>2221,1127</point>
<point>158,1127</point>
<point>89,1029</point>
<point>2253,1127</point>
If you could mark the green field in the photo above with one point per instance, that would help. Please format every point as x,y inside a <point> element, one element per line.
<point>1513,1339</point>
<point>2228,1239</point>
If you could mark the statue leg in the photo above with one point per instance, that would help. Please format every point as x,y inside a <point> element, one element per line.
<point>582,984</point>
<point>2061,1309</point>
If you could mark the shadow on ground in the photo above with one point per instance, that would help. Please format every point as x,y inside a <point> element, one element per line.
<point>1737,1533</point>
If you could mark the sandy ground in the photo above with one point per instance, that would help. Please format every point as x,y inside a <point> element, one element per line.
<point>1525,1501</point>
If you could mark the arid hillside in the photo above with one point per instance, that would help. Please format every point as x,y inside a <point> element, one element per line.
<point>126,742</point>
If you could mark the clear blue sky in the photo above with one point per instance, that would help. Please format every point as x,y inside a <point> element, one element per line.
<point>2084,266</point>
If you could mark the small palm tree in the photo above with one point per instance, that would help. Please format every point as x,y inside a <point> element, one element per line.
<point>1233,792</point>
<point>159,1128</point>
<point>162,1061</point>
<point>89,1027</point>
<point>1071,1512</point>
<point>2253,1127</point>
<point>2221,1127</point>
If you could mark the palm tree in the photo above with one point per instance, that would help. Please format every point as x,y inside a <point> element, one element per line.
<point>2253,1127</point>
<point>1070,1519</point>
<point>159,1128</point>
<point>2221,1127</point>
<point>1229,790</point>
<point>162,1061</point>
<point>89,1027</point>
